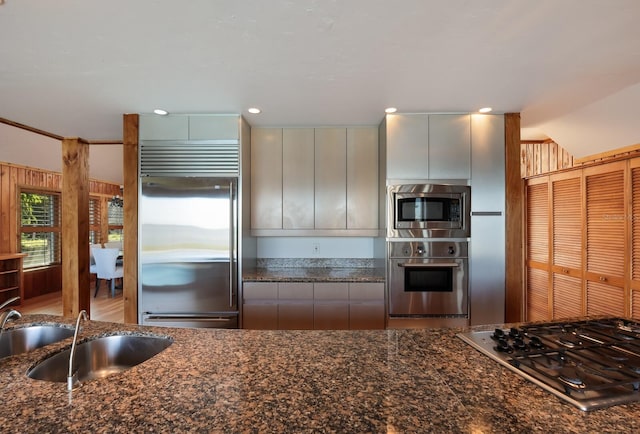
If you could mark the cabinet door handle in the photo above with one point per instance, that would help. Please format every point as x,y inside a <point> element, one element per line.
<point>603,279</point>
<point>565,271</point>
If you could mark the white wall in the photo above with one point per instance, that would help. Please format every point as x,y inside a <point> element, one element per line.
<point>304,247</point>
<point>25,148</point>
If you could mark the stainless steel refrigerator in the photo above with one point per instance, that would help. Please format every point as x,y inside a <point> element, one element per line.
<point>188,252</point>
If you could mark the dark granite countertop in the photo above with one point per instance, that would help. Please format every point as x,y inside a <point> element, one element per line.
<point>313,274</point>
<point>418,380</point>
<point>315,270</point>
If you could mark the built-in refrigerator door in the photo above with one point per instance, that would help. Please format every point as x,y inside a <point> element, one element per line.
<point>188,261</point>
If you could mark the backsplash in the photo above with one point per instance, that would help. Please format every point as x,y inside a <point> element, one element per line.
<point>319,263</point>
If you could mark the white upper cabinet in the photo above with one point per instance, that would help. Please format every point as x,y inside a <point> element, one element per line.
<point>330,178</point>
<point>449,146</point>
<point>362,178</point>
<point>428,146</point>
<point>487,169</point>
<point>314,182</point>
<point>266,178</point>
<point>190,127</point>
<point>297,178</point>
<point>154,127</point>
<point>407,146</point>
<point>218,127</point>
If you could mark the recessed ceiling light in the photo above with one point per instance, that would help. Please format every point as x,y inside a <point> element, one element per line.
<point>485,109</point>
<point>254,110</point>
<point>161,112</point>
<point>390,110</point>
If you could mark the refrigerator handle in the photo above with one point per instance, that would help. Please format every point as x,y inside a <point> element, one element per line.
<point>232,227</point>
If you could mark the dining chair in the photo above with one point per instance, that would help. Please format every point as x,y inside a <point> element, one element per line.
<point>93,269</point>
<point>106,268</point>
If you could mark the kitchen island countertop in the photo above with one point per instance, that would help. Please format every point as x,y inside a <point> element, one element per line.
<point>416,380</point>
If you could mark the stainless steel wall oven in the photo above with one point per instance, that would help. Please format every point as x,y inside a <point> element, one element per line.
<point>428,278</point>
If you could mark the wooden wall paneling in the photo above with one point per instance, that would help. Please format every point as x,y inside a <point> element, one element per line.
<point>75,227</point>
<point>553,157</point>
<point>5,235</point>
<point>42,281</point>
<point>13,210</point>
<point>544,157</point>
<point>14,178</point>
<point>130,245</point>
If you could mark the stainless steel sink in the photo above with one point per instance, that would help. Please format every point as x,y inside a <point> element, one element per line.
<point>100,357</point>
<point>23,340</point>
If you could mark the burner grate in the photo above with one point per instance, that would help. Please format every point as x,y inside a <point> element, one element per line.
<point>592,364</point>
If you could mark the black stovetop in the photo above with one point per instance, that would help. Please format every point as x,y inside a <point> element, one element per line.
<point>591,364</point>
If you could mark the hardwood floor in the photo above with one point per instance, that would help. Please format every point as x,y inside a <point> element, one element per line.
<point>103,307</point>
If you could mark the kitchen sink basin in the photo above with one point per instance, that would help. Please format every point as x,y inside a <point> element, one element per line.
<point>23,340</point>
<point>100,357</point>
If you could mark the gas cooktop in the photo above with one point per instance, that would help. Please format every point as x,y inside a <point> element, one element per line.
<point>590,364</point>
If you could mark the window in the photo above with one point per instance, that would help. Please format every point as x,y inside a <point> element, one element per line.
<point>95,233</point>
<point>40,228</point>
<point>116,219</point>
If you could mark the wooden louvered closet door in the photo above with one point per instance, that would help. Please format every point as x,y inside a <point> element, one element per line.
<point>634,166</point>
<point>537,250</point>
<point>567,245</point>
<point>605,240</point>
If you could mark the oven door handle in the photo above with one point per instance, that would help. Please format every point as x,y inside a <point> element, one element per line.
<point>429,265</point>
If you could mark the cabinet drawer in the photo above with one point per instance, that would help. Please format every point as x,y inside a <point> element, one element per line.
<point>260,291</point>
<point>331,291</point>
<point>366,291</point>
<point>295,291</point>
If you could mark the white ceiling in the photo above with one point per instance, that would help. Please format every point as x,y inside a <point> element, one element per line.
<point>571,67</point>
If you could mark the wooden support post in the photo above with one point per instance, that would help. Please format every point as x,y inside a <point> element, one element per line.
<point>130,194</point>
<point>515,291</point>
<point>75,227</point>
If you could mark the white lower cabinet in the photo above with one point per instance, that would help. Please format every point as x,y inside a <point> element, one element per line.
<point>331,306</point>
<point>366,306</point>
<point>295,306</point>
<point>319,306</point>
<point>260,305</point>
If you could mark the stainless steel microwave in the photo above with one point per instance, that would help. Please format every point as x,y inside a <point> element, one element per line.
<point>428,211</point>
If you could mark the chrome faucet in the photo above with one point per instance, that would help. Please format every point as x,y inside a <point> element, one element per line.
<point>72,379</point>
<point>8,314</point>
<point>8,302</point>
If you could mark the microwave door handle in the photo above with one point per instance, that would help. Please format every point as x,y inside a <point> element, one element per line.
<point>430,265</point>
